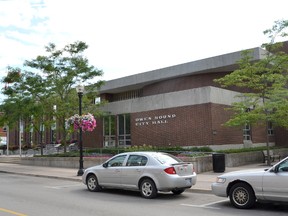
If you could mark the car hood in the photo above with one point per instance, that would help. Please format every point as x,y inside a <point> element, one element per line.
<point>242,173</point>
<point>95,167</point>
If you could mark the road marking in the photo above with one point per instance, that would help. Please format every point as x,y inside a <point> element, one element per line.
<point>199,206</point>
<point>12,212</point>
<point>62,186</point>
<point>205,205</point>
<point>212,203</point>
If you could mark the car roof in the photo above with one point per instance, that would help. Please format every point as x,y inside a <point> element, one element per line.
<point>143,153</point>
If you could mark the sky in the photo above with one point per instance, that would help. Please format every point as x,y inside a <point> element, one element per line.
<point>127,37</point>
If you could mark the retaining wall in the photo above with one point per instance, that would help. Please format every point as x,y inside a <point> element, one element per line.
<point>201,164</point>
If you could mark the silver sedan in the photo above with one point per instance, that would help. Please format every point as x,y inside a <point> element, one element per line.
<point>147,172</point>
<point>245,187</point>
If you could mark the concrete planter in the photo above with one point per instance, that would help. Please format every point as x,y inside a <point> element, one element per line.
<point>240,159</point>
<point>201,164</point>
<point>65,162</point>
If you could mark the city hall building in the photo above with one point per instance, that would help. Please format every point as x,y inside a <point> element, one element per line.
<point>180,105</point>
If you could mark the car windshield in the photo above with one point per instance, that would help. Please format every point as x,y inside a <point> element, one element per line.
<point>283,167</point>
<point>167,159</point>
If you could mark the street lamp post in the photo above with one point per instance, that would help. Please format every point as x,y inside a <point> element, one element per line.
<point>80,90</point>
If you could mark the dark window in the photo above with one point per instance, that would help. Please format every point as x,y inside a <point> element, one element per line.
<point>124,134</point>
<point>117,161</point>
<point>136,160</point>
<point>109,131</point>
<point>270,129</point>
<point>247,132</point>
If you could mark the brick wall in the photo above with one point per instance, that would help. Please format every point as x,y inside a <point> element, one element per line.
<point>184,126</point>
<point>197,125</point>
<point>184,83</point>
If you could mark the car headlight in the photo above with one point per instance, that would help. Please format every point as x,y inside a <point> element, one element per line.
<point>220,180</point>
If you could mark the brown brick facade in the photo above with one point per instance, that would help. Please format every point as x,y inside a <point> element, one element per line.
<point>197,125</point>
<point>190,126</point>
<point>171,127</point>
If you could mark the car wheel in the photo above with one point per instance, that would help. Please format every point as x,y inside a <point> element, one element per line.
<point>148,189</point>
<point>92,184</point>
<point>178,191</point>
<point>242,196</point>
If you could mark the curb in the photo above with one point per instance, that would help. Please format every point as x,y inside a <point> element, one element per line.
<point>42,176</point>
<point>191,190</point>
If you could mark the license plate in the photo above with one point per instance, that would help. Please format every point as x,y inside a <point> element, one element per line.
<point>188,180</point>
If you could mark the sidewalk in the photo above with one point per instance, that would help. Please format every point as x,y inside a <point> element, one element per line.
<point>203,184</point>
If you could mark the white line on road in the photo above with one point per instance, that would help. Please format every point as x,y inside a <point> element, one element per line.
<point>199,206</point>
<point>62,186</point>
<point>208,205</point>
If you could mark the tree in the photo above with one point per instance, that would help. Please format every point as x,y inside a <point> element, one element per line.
<point>44,90</point>
<point>264,84</point>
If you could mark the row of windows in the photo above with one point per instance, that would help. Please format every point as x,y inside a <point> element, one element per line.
<point>127,95</point>
<point>121,124</point>
<point>247,131</point>
<point>124,133</point>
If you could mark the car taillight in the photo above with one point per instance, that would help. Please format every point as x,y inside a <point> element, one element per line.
<point>170,170</point>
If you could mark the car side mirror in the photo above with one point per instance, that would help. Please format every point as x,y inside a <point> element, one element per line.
<point>273,169</point>
<point>105,165</point>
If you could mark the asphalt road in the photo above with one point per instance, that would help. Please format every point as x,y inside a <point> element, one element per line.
<point>34,196</point>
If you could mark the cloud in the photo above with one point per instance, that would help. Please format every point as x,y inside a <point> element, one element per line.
<point>128,36</point>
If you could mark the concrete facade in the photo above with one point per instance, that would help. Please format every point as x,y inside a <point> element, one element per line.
<point>196,96</point>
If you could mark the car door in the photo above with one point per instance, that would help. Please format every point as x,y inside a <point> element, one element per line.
<point>275,186</point>
<point>111,174</point>
<point>133,170</point>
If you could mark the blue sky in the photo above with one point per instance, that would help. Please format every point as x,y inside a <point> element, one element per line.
<point>126,37</point>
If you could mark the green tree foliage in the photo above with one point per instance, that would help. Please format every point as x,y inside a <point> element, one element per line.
<point>44,91</point>
<point>264,84</point>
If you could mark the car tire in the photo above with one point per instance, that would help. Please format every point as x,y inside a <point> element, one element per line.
<point>242,196</point>
<point>148,189</point>
<point>92,184</point>
<point>177,191</point>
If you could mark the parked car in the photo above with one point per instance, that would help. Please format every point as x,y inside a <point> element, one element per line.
<point>244,188</point>
<point>147,172</point>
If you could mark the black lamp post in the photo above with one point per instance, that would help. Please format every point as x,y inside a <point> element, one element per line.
<point>80,90</point>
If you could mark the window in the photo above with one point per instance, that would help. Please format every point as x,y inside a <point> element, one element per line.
<point>124,134</point>
<point>117,161</point>
<point>283,167</point>
<point>136,160</point>
<point>270,129</point>
<point>247,132</point>
<point>97,100</point>
<point>109,131</point>
<point>167,158</point>
<point>127,95</point>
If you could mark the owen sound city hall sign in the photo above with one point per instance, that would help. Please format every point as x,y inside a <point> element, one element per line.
<point>154,120</point>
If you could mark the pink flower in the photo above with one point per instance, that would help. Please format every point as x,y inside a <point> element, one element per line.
<point>85,122</point>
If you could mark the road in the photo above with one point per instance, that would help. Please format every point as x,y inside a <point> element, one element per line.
<point>34,196</point>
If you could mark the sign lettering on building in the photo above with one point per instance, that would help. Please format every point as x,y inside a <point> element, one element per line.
<point>155,120</point>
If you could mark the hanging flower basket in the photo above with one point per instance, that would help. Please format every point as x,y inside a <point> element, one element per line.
<point>85,122</point>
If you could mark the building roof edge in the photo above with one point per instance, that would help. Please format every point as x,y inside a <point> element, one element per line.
<point>221,63</point>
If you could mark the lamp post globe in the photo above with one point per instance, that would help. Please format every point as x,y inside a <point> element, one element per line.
<point>80,90</point>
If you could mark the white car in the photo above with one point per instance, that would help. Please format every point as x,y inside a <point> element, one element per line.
<point>246,187</point>
<point>147,172</point>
